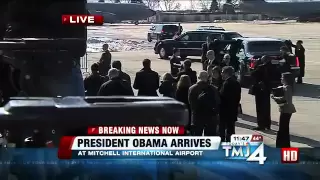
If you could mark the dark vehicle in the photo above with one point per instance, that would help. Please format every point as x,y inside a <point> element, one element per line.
<point>210,28</point>
<point>162,31</point>
<point>252,49</point>
<point>190,43</point>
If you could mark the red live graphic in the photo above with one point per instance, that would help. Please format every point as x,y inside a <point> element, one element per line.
<point>290,155</point>
<point>88,20</point>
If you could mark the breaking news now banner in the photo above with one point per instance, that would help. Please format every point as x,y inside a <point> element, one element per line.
<point>103,147</point>
<point>136,130</point>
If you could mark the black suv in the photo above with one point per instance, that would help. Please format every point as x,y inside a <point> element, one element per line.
<point>190,43</point>
<point>251,49</point>
<point>162,31</point>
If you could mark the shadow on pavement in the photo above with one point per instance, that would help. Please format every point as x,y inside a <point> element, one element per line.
<point>253,119</point>
<point>307,90</point>
<point>293,138</point>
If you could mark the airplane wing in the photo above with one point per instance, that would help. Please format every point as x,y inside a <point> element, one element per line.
<point>107,16</point>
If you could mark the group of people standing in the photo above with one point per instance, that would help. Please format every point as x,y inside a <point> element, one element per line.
<point>266,78</point>
<point>213,96</point>
<point>268,81</point>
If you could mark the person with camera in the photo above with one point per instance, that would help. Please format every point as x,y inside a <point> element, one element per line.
<point>286,109</point>
<point>261,89</point>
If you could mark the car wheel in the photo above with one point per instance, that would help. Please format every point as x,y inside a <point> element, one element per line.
<point>163,53</point>
<point>149,38</point>
<point>183,57</point>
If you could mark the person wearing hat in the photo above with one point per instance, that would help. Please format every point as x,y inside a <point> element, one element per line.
<point>105,60</point>
<point>300,53</point>
<point>286,109</point>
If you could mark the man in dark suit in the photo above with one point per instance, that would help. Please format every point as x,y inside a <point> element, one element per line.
<point>264,75</point>
<point>300,53</point>
<point>115,86</point>
<point>147,80</point>
<point>205,48</point>
<point>230,94</point>
<point>188,71</point>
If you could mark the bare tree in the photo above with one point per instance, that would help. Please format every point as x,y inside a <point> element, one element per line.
<point>214,6</point>
<point>193,4</point>
<point>170,5</point>
<point>152,4</point>
<point>205,4</point>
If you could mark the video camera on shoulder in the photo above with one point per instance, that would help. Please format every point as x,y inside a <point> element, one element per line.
<point>33,122</point>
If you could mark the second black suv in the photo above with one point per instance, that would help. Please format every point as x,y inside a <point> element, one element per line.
<point>162,31</point>
<point>252,49</point>
<point>190,43</point>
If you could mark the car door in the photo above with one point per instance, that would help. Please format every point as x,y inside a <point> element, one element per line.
<point>243,61</point>
<point>182,43</point>
<point>193,45</point>
<point>156,31</point>
<point>151,30</point>
<point>241,54</point>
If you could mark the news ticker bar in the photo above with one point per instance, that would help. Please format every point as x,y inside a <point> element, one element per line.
<point>124,141</point>
<point>69,144</point>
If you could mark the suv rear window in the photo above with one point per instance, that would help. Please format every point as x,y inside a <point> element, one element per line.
<point>264,46</point>
<point>170,28</point>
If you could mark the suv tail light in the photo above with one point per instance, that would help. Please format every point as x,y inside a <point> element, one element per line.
<point>253,62</point>
<point>297,62</point>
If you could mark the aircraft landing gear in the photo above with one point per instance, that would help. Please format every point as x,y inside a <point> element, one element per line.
<point>136,22</point>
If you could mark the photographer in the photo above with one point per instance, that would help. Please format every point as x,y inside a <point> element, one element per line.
<point>52,72</point>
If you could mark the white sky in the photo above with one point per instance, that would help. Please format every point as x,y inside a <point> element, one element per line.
<point>186,4</point>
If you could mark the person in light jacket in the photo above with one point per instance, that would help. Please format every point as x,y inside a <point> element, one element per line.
<point>286,108</point>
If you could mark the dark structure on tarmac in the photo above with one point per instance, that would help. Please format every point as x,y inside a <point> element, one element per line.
<point>116,12</point>
<point>304,11</point>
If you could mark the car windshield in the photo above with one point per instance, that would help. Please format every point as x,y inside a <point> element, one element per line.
<point>170,28</point>
<point>210,28</point>
<point>264,46</point>
<point>234,35</point>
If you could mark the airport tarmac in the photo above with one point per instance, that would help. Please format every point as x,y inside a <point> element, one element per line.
<point>305,124</point>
